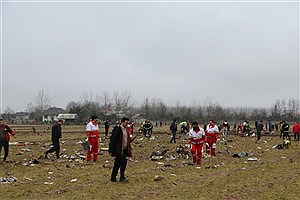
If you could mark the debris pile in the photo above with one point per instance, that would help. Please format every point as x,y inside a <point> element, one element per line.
<point>8,180</point>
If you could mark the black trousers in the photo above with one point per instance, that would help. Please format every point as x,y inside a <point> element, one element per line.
<point>55,147</point>
<point>5,145</point>
<point>258,136</point>
<point>296,135</point>
<point>106,131</point>
<point>173,137</point>
<point>286,134</point>
<point>120,163</point>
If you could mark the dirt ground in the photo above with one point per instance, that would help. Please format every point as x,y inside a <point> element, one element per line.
<point>265,173</point>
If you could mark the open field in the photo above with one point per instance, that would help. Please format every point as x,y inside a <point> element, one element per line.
<point>275,176</point>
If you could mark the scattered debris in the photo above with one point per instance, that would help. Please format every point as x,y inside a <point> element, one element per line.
<point>48,183</point>
<point>8,180</point>
<point>241,154</point>
<point>73,180</point>
<point>28,179</point>
<point>253,159</point>
<point>158,178</point>
<point>31,163</point>
<point>284,145</point>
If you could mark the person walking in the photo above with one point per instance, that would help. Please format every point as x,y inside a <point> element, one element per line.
<point>211,134</point>
<point>259,129</point>
<point>120,148</point>
<point>225,127</point>
<point>296,131</point>
<point>106,127</point>
<point>196,139</point>
<point>4,138</point>
<point>173,129</point>
<point>92,132</point>
<point>55,136</point>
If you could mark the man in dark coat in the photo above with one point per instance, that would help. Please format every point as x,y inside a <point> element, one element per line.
<point>55,136</point>
<point>173,129</point>
<point>259,129</point>
<point>106,126</point>
<point>120,148</point>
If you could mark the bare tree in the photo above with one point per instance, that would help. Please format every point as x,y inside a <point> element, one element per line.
<point>30,108</point>
<point>9,110</point>
<point>71,105</point>
<point>105,100</point>
<point>123,101</point>
<point>146,108</point>
<point>87,98</point>
<point>42,100</point>
<point>293,108</point>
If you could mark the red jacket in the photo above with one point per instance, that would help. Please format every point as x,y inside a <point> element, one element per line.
<point>296,128</point>
<point>6,131</point>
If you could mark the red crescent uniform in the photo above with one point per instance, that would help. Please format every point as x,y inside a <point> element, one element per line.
<point>196,139</point>
<point>212,132</point>
<point>92,132</point>
<point>130,129</point>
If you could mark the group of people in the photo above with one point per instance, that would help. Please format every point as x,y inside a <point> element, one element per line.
<point>122,136</point>
<point>198,137</point>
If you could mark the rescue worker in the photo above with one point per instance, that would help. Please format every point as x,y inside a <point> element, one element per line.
<point>92,132</point>
<point>240,128</point>
<point>285,130</point>
<point>147,128</point>
<point>196,139</point>
<point>296,131</point>
<point>55,136</point>
<point>211,134</point>
<point>4,138</point>
<point>130,129</point>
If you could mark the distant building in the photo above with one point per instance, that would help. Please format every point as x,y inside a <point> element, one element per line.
<point>138,119</point>
<point>52,113</point>
<point>21,116</point>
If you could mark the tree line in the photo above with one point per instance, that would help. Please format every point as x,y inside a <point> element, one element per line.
<point>110,106</point>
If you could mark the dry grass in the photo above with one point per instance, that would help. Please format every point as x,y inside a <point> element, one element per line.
<point>274,176</point>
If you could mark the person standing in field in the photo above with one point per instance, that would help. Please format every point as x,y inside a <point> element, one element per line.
<point>285,130</point>
<point>4,138</point>
<point>173,129</point>
<point>240,128</point>
<point>106,126</point>
<point>55,136</point>
<point>92,132</point>
<point>120,148</point>
<point>259,129</point>
<point>196,139</point>
<point>296,131</point>
<point>225,127</point>
<point>211,134</point>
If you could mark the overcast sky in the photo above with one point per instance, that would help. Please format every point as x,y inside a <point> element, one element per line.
<point>237,54</point>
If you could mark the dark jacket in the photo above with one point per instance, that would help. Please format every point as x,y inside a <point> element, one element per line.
<point>6,131</point>
<point>56,131</point>
<point>285,127</point>
<point>260,127</point>
<point>116,142</point>
<point>173,127</point>
<point>106,124</point>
